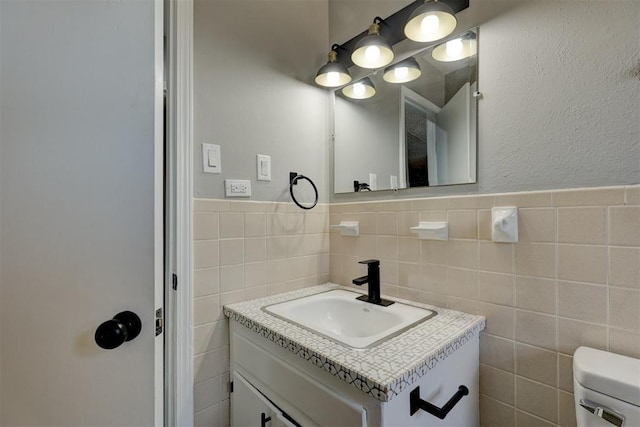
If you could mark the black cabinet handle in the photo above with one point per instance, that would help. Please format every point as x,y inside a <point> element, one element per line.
<point>416,403</point>
<point>124,326</point>
<point>264,420</point>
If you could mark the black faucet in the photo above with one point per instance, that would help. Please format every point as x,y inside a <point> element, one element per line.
<point>360,186</point>
<point>373,279</point>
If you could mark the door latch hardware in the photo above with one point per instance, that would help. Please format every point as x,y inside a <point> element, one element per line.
<point>159,321</point>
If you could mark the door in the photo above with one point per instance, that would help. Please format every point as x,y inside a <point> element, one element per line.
<point>249,408</point>
<point>80,210</point>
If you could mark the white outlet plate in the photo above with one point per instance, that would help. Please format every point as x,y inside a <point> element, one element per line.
<point>211,161</point>
<point>263,164</point>
<point>237,188</point>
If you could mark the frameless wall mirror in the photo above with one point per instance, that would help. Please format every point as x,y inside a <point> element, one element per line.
<point>420,133</point>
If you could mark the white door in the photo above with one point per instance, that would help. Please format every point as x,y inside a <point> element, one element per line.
<point>80,210</point>
<point>249,408</point>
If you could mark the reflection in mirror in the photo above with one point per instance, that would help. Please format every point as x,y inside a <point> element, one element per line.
<point>415,134</point>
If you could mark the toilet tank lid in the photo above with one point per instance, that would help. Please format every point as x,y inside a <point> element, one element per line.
<point>608,373</point>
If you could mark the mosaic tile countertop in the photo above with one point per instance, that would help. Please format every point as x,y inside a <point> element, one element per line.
<point>382,371</point>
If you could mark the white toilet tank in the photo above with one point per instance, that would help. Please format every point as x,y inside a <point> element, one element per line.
<point>606,389</point>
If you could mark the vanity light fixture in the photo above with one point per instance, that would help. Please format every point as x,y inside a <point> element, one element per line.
<point>403,71</point>
<point>361,89</point>
<point>333,73</point>
<point>459,48</point>
<point>373,51</point>
<point>432,21</point>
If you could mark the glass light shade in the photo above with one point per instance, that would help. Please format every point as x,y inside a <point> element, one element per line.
<point>361,89</point>
<point>333,73</point>
<point>402,72</point>
<point>373,50</point>
<point>456,49</point>
<point>432,21</point>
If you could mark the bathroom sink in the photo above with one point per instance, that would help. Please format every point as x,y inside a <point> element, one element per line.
<point>339,316</point>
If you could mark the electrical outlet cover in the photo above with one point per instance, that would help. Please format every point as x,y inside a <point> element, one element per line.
<point>237,188</point>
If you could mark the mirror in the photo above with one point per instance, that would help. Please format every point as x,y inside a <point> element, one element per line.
<point>416,134</point>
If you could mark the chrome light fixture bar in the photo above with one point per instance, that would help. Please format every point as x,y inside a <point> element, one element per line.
<point>361,89</point>
<point>333,73</point>
<point>403,71</point>
<point>456,49</point>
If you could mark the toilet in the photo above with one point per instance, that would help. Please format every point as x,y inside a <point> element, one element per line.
<point>606,388</point>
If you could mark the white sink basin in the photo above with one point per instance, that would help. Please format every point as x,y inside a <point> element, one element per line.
<point>338,315</point>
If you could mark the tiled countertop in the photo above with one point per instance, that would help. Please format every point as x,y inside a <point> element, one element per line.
<point>382,371</point>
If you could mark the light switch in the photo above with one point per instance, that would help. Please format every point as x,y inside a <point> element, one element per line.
<point>211,162</point>
<point>213,158</point>
<point>263,164</point>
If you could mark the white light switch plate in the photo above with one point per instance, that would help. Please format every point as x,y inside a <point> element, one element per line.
<point>373,181</point>
<point>237,188</point>
<point>263,164</point>
<point>211,162</point>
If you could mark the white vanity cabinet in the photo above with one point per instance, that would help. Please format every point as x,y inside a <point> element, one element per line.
<point>302,397</point>
<point>272,381</point>
<point>252,408</point>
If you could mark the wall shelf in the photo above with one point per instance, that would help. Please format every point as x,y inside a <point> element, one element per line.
<point>347,228</point>
<point>427,230</point>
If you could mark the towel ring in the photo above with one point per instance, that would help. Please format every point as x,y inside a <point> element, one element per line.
<point>293,180</point>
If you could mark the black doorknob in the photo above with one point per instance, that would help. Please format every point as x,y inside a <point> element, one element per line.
<point>124,326</point>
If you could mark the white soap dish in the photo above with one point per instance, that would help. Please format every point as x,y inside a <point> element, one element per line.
<point>348,228</point>
<point>432,230</point>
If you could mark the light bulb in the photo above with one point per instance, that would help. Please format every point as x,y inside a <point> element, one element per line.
<point>372,53</point>
<point>333,77</point>
<point>454,48</point>
<point>358,89</point>
<point>401,73</point>
<point>430,24</point>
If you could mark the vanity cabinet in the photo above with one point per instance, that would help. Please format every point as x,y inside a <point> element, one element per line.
<point>272,381</point>
<point>252,408</point>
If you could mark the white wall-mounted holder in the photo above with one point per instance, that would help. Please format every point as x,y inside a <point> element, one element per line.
<point>348,228</point>
<point>504,224</point>
<point>427,230</point>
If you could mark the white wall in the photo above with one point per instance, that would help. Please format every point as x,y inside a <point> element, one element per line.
<point>255,62</point>
<point>560,106</point>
